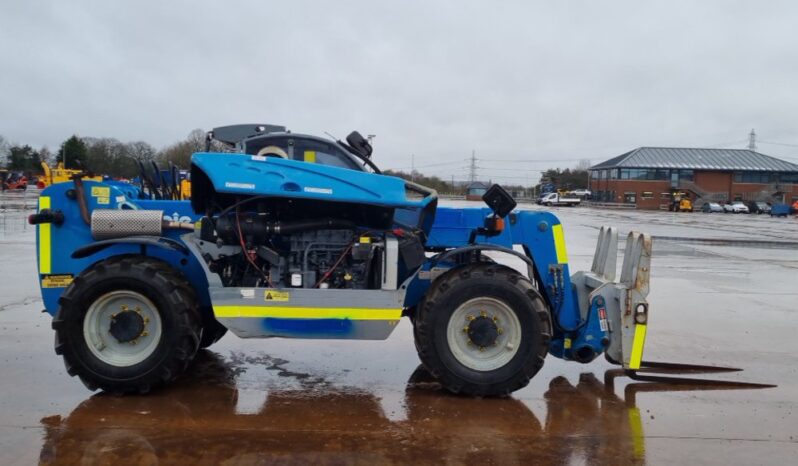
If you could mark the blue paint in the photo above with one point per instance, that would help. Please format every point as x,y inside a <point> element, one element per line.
<point>241,174</point>
<point>308,327</point>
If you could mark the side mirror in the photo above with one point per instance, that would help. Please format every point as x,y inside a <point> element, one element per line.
<point>359,144</point>
<point>499,201</point>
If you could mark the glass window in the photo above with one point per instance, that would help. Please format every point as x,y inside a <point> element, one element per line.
<point>630,197</point>
<point>665,196</point>
<point>307,150</point>
<point>686,175</point>
<point>323,153</point>
<point>594,174</point>
<point>614,174</point>
<point>647,195</point>
<point>789,178</point>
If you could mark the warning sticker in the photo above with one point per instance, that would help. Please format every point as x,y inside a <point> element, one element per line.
<point>103,200</point>
<point>56,281</point>
<point>101,191</point>
<point>249,294</point>
<point>272,295</point>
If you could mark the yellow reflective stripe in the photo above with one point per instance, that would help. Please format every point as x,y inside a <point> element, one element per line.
<point>637,346</point>
<point>636,426</point>
<point>308,312</point>
<point>310,156</point>
<point>44,238</point>
<point>559,244</point>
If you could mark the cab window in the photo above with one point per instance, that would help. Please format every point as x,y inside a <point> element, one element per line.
<point>306,150</point>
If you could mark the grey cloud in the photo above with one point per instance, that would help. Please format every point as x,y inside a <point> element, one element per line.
<point>512,80</point>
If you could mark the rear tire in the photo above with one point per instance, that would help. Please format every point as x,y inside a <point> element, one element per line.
<point>127,324</point>
<point>455,317</point>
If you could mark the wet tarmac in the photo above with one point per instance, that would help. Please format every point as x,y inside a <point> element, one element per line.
<point>722,293</point>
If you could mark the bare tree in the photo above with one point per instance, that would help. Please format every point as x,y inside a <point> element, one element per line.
<point>3,150</point>
<point>180,152</point>
<point>45,155</point>
<point>141,151</point>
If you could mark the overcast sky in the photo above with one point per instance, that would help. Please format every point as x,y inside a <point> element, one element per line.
<point>553,81</point>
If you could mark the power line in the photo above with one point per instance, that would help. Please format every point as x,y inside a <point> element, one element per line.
<point>778,143</point>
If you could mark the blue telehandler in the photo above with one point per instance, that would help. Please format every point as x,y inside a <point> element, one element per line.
<point>295,236</point>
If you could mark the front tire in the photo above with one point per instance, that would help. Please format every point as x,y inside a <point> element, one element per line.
<point>127,324</point>
<point>483,330</point>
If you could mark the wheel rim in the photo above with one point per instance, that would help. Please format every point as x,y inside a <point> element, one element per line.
<point>469,334</point>
<point>122,328</point>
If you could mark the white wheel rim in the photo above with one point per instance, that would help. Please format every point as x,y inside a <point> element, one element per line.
<point>103,345</point>
<point>486,358</point>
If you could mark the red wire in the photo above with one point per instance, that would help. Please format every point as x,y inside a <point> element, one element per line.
<point>246,253</point>
<point>332,269</point>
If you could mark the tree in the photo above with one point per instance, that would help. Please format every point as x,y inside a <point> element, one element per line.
<point>74,150</point>
<point>429,181</point>
<point>141,151</point>
<point>565,179</point>
<point>180,152</point>
<point>109,156</point>
<point>45,155</point>
<point>3,150</point>
<point>23,158</point>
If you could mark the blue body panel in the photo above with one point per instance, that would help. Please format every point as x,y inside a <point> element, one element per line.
<point>273,176</point>
<point>538,234</point>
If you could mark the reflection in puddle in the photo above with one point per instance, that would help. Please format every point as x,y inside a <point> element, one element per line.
<point>206,418</point>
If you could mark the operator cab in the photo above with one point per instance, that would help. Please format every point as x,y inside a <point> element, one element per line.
<point>276,141</point>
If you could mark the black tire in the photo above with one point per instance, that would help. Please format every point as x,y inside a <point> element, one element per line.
<point>212,330</point>
<point>174,301</point>
<point>460,285</point>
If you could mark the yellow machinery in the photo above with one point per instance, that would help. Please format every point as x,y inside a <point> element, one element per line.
<point>185,189</point>
<point>59,175</point>
<point>680,202</point>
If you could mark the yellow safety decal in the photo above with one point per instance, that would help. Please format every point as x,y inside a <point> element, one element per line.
<point>44,238</point>
<point>101,191</point>
<point>272,295</point>
<point>559,244</point>
<point>310,156</point>
<point>637,346</point>
<point>282,312</point>
<point>636,426</point>
<point>103,200</point>
<point>56,281</point>
<point>566,343</point>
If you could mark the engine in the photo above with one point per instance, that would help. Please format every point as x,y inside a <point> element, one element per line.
<point>252,250</point>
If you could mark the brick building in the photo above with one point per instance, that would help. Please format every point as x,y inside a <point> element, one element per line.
<point>646,177</point>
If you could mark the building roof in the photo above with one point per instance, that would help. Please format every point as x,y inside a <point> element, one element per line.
<point>698,159</point>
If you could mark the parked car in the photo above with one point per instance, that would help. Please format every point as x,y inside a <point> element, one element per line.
<point>758,207</point>
<point>727,208</point>
<point>739,208</point>
<point>711,207</point>
<point>780,210</point>
<point>583,193</point>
